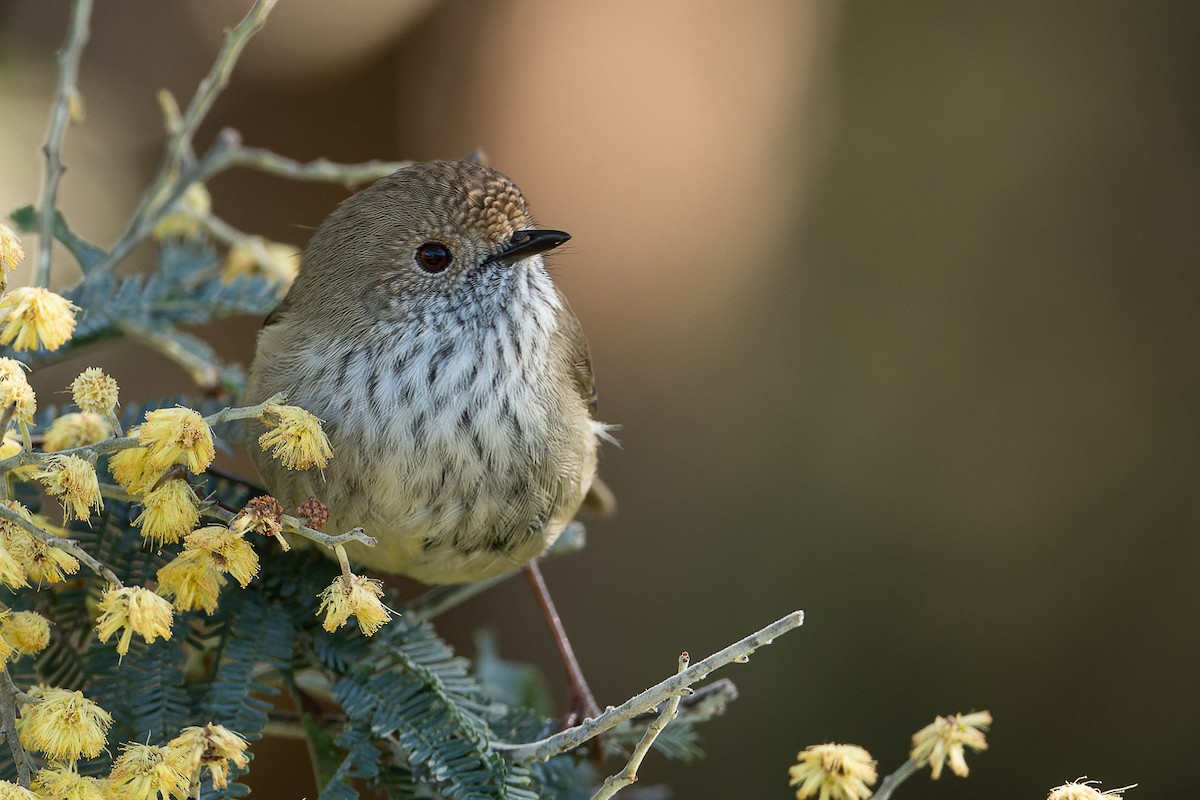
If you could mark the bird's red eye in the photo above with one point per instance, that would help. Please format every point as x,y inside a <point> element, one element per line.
<point>433,256</point>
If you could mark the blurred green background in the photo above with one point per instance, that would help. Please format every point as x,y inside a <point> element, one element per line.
<point>896,305</point>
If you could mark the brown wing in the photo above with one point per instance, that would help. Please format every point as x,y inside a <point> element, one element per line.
<point>577,347</point>
<point>599,499</point>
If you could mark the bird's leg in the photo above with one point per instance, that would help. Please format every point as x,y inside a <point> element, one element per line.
<point>583,704</point>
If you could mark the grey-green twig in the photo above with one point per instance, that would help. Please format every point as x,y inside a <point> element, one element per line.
<point>627,776</point>
<point>322,169</point>
<point>60,115</point>
<point>295,525</point>
<point>573,737</point>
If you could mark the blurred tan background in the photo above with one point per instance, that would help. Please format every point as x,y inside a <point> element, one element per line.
<point>896,305</point>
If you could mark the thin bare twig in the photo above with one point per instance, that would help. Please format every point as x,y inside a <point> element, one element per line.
<point>322,169</point>
<point>66,545</point>
<point>160,196</point>
<point>60,115</point>
<point>573,737</point>
<point>627,776</point>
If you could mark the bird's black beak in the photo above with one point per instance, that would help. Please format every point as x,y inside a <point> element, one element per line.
<point>528,243</point>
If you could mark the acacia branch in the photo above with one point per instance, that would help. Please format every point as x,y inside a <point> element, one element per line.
<point>627,776</point>
<point>296,526</point>
<point>60,115</point>
<point>573,737</point>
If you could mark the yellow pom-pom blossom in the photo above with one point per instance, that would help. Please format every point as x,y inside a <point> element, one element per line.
<point>43,563</point>
<point>184,219</point>
<point>834,772</point>
<point>62,782</point>
<point>11,252</point>
<point>1083,790</point>
<point>26,631</point>
<point>171,512</point>
<point>64,725</point>
<point>273,260</point>
<point>193,579</point>
<point>211,746</point>
<point>354,596</point>
<point>145,772</point>
<point>177,436</point>
<point>73,481</point>
<point>75,430</point>
<point>133,469</point>
<point>133,609</point>
<point>95,391</point>
<point>294,436</point>
<point>16,391</point>
<point>36,317</point>
<point>945,738</point>
<point>15,791</point>
<point>229,551</point>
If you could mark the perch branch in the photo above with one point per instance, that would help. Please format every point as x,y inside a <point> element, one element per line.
<point>627,776</point>
<point>60,115</point>
<point>67,545</point>
<point>295,525</point>
<point>573,737</point>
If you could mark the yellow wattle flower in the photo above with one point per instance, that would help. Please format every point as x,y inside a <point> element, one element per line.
<point>133,609</point>
<point>36,317</point>
<point>64,725</point>
<point>193,580</point>
<point>177,436</point>
<point>28,632</point>
<point>95,391</point>
<point>73,481</point>
<point>294,436</point>
<point>834,771</point>
<point>945,738</point>
<point>75,429</point>
<point>354,596</point>
<point>170,512</point>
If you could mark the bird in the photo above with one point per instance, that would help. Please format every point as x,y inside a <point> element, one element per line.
<point>452,377</point>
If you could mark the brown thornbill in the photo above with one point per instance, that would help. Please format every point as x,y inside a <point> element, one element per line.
<point>453,378</point>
